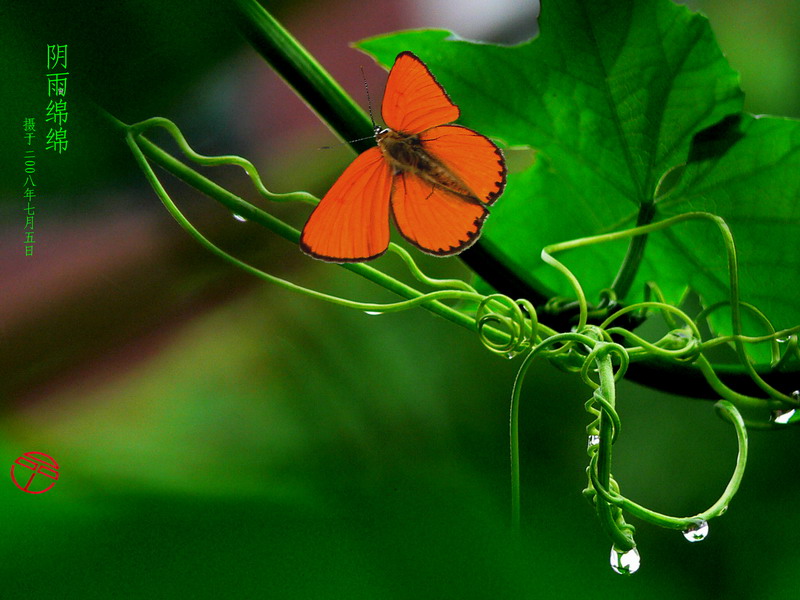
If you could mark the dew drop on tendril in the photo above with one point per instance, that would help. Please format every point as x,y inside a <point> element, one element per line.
<point>593,440</point>
<point>239,218</point>
<point>373,313</point>
<point>782,416</point>
<point>697,532</point>
<point>796,395</point>
<point>781,340</point>
<point>625,563</point>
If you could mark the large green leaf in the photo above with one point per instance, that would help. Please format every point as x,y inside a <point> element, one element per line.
<point>612,96</point>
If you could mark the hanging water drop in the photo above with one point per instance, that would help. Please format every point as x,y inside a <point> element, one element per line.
<point>372,313</point>
<point>625,563</point>
<point>239,218</point>
<point>782,340</point>
<point>782,416</point>
<point>796,395</point>
<point>593,440</point>
<point>696,532</point>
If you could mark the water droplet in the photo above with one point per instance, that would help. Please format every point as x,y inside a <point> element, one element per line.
<point>723,510</point>
<point>372,313</point>
<point>782,416</point>
<point>696,532</point>
<point>625,563</point>
<point>796,395</point>
<point>239,218</point>
<point>593,440</point>
<point>510,355</point>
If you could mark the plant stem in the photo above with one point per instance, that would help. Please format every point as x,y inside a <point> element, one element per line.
<point>633,257</point>
<point>303,73</point>
<point>605,368</point>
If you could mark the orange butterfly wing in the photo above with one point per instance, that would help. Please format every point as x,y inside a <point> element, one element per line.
<point>470,156</point>
<point>414,101</point>
<point>433,219</point>
<point>351,223</point>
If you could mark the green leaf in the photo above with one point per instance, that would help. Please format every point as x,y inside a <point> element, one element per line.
<point>755,187</point>
<point>612,96</point>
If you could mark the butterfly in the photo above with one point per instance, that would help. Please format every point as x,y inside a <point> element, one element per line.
<point>436,179</point>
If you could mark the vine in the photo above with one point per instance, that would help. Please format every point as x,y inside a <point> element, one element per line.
<point>599,353</point>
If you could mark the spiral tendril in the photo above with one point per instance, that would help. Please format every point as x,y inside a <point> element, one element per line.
<point>517,319</point>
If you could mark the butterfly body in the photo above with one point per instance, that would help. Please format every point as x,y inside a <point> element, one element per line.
<point>436,180</point>
<point>405,153</point>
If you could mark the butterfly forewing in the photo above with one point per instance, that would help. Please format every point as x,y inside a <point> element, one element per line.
<point>414,101</point>
<point>351,223</point>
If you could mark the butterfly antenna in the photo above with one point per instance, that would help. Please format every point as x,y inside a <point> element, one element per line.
<point>369,101</point>
<point>369,137</point>
<point>375,128</point>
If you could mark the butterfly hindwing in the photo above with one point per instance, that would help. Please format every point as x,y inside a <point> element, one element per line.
<point>414,101</point>
<point>432,218</point>
<point>470,156</point>
<point>351,223</point>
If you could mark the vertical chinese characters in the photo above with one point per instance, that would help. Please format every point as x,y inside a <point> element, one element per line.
<point>56,112</point>
<point>29,185</point>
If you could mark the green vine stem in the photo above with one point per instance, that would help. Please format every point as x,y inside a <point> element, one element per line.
<point>727,411</point>
<point>633,257</point>
<point>303,73</point>
<point>610,515</point>
<point>562,342</point>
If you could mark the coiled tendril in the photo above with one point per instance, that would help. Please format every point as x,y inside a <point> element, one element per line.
<point>516,319</point>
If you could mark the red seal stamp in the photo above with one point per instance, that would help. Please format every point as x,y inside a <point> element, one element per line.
<point>42,470</point>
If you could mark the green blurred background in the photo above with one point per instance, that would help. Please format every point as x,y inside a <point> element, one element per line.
<point>219,437</point>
